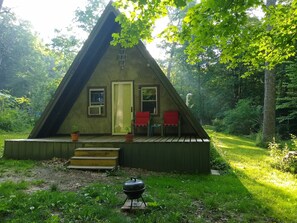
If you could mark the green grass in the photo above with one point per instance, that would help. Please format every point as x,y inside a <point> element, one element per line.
<point>15,166</point>
<point>275,190</point>
<point>250,191</point>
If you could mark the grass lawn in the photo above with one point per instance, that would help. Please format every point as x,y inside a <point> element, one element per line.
<point>13,165</point>
<point>274,190</point>
<point>251,191</point>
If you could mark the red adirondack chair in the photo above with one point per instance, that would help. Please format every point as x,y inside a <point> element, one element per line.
<point>171,119</point>
<point>142,120</point>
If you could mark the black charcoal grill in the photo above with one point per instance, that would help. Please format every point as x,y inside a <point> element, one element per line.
<point>134,189</point>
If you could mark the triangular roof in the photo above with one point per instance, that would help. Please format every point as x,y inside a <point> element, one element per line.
<point>84,63</point>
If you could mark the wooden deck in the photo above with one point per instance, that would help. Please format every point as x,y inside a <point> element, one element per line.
<point>182,154</point>
<point>119,139</point>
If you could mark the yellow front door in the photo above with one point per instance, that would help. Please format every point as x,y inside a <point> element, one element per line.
<point>122,107</point>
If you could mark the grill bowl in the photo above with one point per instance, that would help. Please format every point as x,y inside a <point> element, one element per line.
<point>133,188</point>
<point>134,194</point>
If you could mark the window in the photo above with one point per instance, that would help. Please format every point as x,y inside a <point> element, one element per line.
<point>96,102</point>
<point>149,99</point>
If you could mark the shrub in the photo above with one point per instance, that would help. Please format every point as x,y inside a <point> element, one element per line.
<point>14,120</point>
<point>217,162</point>
<point>282,158</point>
<point>14,114</point>
<point>290,161</point>
<point>243,119</point>
<point>218,125</point>
<point>259,139</point>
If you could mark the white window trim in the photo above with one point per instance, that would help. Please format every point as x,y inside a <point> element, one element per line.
<point>141,98</point>
<point>100,107</point>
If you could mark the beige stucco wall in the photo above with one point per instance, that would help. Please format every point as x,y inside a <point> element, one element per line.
<point>107,71</point>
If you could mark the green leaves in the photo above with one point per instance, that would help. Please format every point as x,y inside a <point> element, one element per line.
<point>180,3</point>
<point>87,17</point>
<point>138,18</point>
<point>225,24</point>
<point>287,100</point>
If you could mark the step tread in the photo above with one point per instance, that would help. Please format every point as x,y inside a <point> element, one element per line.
<point>97,149</point>
<point>94,158</point>
<point>91,167</point>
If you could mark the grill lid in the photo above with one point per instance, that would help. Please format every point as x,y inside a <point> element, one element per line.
<point>133,185</point>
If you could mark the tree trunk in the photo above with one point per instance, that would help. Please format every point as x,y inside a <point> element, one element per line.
<point>172,51</point>
<point>1,2</point>
<point>269,106</point>
<point>269,97</point>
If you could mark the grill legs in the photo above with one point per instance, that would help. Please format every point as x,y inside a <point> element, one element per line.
<point>131,204</point>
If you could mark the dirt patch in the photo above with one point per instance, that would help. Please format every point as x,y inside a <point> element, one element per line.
<point>53,174</point>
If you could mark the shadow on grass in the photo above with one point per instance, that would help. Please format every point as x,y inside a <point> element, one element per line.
<point>280,202</point>
<point>251,171</point>
<point>212,198</point>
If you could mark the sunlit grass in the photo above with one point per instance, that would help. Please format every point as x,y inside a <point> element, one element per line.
<point>273,188</point>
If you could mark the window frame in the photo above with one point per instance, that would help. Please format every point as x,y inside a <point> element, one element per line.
<point>93,89</point>
<point>157,101</point>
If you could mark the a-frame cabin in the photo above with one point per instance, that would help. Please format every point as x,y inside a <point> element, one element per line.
<point>100,94</point>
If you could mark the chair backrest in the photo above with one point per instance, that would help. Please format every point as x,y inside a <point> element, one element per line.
<point>170,118</point>
<point>142,118</point>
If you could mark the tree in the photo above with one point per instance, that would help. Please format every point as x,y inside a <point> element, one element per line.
<point>1,3</point>
<point>27,67</point>
<point>88,16</point>
<point>17,45</point>
<point>269,95</point>
<point>67,42</point>
<point>31,69</point>
<point>227,25</point>
<point>64,47</point>
<point>286,103</point>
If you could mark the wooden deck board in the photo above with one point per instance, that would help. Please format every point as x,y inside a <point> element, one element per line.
<point>187,139</point>
<point>176,139</point>
<point>170,139</point>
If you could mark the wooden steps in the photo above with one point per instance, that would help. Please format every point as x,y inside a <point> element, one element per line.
<point>98,152</point>
<point>95,158</point>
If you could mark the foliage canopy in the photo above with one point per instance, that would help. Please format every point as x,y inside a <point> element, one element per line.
<point>229,25</point>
